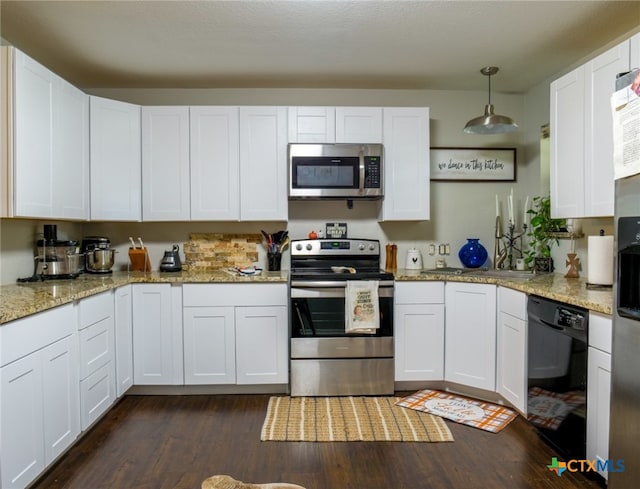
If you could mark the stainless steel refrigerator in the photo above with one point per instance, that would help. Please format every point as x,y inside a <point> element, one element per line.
<point>624,426</point>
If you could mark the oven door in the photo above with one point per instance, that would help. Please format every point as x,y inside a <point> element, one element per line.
<point>319,312</point>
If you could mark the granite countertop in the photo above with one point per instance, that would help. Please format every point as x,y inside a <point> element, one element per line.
<point>20,300</point>
<point>552,286</point>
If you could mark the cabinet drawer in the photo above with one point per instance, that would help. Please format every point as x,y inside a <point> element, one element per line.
<point>96,346</point>
<point>600,331</point>
<point>203,295</point>
<point>419,293</point>
<point>95,308</point>
<point>513,302</point>
<point>97,394</point>
<point>24,336</point>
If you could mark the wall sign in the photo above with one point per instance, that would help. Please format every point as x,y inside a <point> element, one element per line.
<point>336,230</point>
<point>473,164</point>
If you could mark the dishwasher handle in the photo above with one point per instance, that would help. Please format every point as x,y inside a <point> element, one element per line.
<point>577,334</point>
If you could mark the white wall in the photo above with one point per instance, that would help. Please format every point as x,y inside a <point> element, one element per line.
<point>459,210</point>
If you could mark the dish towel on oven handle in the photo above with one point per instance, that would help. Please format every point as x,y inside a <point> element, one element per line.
<point>362,311</point>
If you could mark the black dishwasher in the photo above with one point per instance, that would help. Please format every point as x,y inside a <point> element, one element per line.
<point>557,374</point>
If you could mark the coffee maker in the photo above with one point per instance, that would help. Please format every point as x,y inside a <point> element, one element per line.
<point>98,254</point>
<point>56,259</point>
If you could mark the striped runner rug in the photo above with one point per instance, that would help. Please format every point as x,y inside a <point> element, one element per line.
<point>320,419</point>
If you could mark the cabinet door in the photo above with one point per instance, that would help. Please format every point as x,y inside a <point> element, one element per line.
<point>215,163</point>
<point>263,164</point>
<point>154,345</point>
<point>6,121</point>
<point>70,151</point>
<point>598,408</point>
<point>312,124</point>
<point>33,119</point>
<point>511,374</point>
<point>600,84</point>
<point>419,342</point>
<point>262,356</point>
<point>97,394</point>
<point>21,416</point>
<point>634,54</point>
<point>96,346</point>
<point>358,125</point>
<point>124,339</point>
<point>470,338</point>
<point>567,144</point>
<point>209,345</point>
<point>61,396</point>
<point>115,160</point>
<point>406,164</point>
<point>165,164</point>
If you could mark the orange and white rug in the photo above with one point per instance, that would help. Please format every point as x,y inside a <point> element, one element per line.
<point>471,412</point>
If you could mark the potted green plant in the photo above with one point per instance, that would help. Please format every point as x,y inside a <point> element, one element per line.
<point>542,225</point>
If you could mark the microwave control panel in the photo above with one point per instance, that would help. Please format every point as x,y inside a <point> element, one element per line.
<point>372,172</point>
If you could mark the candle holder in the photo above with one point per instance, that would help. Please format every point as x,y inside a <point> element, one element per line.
<point>507,244</point>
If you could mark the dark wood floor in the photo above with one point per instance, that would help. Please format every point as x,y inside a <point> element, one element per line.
<point>155,442</point>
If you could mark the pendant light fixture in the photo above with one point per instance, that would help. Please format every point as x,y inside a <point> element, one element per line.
<point>490,123</point>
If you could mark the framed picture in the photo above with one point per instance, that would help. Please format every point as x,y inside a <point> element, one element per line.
<point>473,164</point>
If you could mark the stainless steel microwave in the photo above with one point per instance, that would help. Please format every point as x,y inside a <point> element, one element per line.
<point>335,171</point>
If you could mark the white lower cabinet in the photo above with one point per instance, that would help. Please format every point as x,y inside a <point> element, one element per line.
<point>599,390</point>
<point>470,334</point>
<point>157,334</point>
<point>39,403</point>
<point>97,357</point>
<point>261,345</point>
<point>235,333</point>
<point>419,331</point>
<point>22,421</point>
<point>511,360</point>
<point>124,339</point>
<point>209,344</point>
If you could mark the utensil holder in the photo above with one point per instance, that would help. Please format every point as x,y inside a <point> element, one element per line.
<point>140,261</point>
<point>274,261</point>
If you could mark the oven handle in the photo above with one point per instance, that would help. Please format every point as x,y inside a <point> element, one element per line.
<point>328,291</point>
<point>335,284</point>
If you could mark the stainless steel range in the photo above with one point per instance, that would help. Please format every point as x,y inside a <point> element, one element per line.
<point>326,360</point>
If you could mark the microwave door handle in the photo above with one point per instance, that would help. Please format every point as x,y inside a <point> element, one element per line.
<point>361,170</point>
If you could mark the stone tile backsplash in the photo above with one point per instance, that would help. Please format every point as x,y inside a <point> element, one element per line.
<point>215,251</point>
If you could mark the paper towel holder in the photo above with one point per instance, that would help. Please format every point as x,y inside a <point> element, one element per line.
<point>600,282</point>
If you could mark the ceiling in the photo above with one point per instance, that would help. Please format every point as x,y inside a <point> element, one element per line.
<point>313,44</point>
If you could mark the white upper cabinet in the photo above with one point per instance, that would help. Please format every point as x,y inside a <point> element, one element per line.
<point>312,124</point>
<point>115,160</point>
<point>33,126</point>
<point>634,46</point>
<point>51,152</point>
<point>215,163</point>
<point>358,125</point>
<point>600,84</point>
<point>70,151</point>
<point>567,144</point>
<point>263,164</point>
<point>165,164</point>
<point>406,164</point>
<point>582,136</point>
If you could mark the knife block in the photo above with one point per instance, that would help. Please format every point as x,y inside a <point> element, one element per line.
<point>140,261</point>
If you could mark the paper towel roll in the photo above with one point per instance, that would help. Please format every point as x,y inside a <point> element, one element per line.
<point>600,260</point>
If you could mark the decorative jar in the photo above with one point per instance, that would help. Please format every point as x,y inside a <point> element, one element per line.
<point>473,254</point>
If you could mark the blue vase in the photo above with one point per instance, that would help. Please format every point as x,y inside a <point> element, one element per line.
<point>473,254</point>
